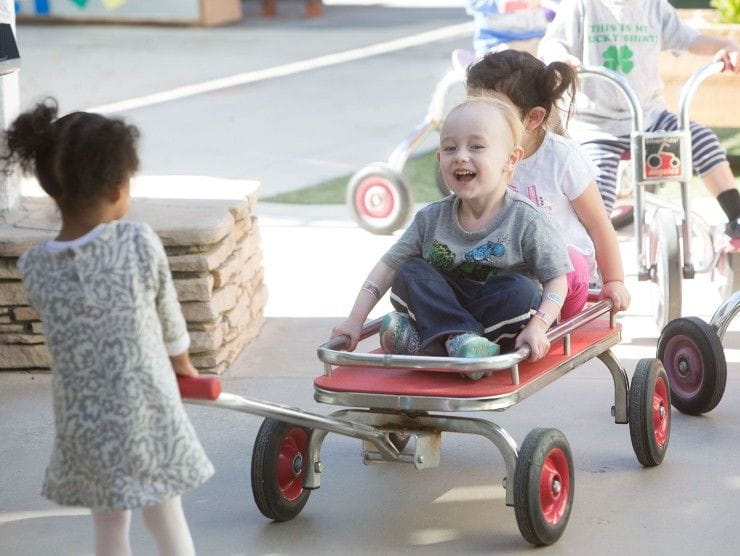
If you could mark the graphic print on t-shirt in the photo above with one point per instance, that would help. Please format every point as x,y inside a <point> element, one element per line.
<point>618,56</point>
<point>533,195</point>
<point>477,263</point>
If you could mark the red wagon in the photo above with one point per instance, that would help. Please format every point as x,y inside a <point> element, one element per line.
<point>396,398</point>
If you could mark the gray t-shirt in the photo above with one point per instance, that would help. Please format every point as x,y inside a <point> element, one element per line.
<point>625,36</point>
<point>519,239</point>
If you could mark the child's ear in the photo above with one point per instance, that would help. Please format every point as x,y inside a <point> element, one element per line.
<point>114,194</point>
<point>514,156</point>
<point>534,118</point>
<point>438,153</point>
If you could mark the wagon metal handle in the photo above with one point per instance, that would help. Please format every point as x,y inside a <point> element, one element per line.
<point>330,351</point>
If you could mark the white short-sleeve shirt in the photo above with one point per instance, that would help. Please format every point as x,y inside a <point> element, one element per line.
<point>551,178</point>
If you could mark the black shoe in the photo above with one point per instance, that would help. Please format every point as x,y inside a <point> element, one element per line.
<point>732,228</point>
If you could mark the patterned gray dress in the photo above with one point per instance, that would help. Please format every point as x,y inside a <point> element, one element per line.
<point>111,319</point>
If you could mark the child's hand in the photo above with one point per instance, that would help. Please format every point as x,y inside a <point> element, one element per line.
<point>182,366</point>
<point>572,61</point>
<point>351,329</point>
<point>535,336</point>
<point>731,57</point>
<point>617,292</point>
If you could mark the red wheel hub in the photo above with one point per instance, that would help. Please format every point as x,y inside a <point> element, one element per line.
<point>554,486</point>
<point>661,413</point>
<point>291,462</point>
<point>375,197</point>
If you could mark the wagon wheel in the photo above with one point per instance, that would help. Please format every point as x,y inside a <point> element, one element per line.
<point>543,486</point>
<point>279,459</point>
<point>379,198</point>
<point>665,261</point>
<point>694,360</point>
<point>650,412</point>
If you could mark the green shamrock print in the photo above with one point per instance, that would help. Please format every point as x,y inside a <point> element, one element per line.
<point>618,59</point>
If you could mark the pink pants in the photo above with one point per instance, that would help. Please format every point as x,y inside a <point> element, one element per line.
<point>578,280</point>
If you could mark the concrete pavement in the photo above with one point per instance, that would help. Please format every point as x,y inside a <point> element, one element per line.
<point>315,259</point>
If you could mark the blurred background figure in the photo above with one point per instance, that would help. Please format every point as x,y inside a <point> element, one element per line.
<point>500,21</point>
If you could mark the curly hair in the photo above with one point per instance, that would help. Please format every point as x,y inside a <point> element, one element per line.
<point>524,79</point>
<point>78,158</point>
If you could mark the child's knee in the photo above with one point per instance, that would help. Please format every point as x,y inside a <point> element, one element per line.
<point>413,270</point>
<point>526,294</point>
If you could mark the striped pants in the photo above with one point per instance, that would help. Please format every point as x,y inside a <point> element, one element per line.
<point>706,153</point>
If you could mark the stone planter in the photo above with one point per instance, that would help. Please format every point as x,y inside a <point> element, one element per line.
<point>211,237</point>
<point>716,101</point>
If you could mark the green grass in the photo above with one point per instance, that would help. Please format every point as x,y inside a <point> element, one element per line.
<point>419,171</point>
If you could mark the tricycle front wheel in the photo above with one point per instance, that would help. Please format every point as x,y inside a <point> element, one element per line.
<point>694,360</point>
<point>380,198</point>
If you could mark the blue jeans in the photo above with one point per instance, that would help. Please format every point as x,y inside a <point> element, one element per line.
<point>439,305</point>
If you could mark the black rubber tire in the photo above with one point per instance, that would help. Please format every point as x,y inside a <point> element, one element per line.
<point>265,486</point>
<point>537,449</point>
<point>622,216</point>
<point>390,187</point>
<point>649,432</point>
<point>696,365</point>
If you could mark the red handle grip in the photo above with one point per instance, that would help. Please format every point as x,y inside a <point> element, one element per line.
<point>199,387</point>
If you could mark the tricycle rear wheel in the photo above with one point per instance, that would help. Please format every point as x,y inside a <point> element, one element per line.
<point>279,458</point>
<point>694,360</point>
<point>380,198</point>
<point>543,486</point>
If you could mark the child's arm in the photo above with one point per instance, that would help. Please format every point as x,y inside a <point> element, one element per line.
<point>182,366</point>
<point>564,36</point>
<point>372,290</point>
<point>590,210</point>
<point>535,333</point>
<point>174,328</point>
<point>722,50</point>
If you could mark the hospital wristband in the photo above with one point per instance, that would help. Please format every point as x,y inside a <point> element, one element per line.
<point>543,316</point>
<point>372,288</point>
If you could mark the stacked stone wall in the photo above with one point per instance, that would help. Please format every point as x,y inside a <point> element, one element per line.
<point>217,272</point>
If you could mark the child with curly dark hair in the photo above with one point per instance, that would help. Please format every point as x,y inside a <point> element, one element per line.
<point>115,331</point>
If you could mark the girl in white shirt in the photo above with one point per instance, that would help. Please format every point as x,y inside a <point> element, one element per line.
<point>554,173</point>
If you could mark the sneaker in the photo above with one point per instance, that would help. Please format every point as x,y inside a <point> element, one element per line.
<point>399,335</point>
<point>472,345</point>
<point>732,229</point>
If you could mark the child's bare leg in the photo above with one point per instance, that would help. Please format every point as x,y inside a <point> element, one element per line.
<point>719,179</point>
<point>166,523</point>
<point>111,532</point>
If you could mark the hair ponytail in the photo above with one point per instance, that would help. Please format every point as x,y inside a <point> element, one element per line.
<point>30,137</point>
<point>523,78</point>
<point>77,158</point>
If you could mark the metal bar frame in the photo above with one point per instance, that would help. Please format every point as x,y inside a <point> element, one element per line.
<point>408,423</point>
<point>330,352</point>
<point>725,314</point>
